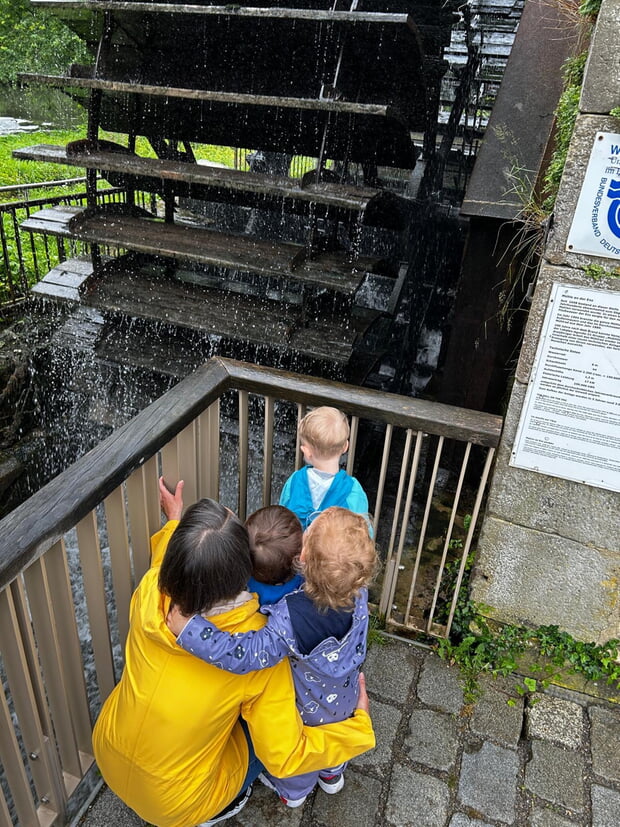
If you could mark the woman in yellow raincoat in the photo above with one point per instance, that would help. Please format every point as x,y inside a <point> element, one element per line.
<point>169,740</point>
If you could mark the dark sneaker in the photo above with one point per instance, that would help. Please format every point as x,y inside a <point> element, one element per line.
<point>290,802</point>
<point>331,784</point>
<point>235,806</point>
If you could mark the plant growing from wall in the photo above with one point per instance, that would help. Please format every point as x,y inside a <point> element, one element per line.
<point>597,272</point>
<point>478,647</point>
<point>566,115</point>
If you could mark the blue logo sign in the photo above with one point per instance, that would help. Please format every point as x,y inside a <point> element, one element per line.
<point>613,214</point>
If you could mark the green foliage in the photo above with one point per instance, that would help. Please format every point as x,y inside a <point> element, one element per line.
<point>590,8</point>
<point>597,272</point>
<point>33,40</point>
<point>479,649</point>
<point>615,112</point>
<point>595,662</point>
<point>375,633</point>
<point>15,172</point>
<point>566,115</point>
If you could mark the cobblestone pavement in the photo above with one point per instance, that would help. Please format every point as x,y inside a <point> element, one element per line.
<point>552,760</point>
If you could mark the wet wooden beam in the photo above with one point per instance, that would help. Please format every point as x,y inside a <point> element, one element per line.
<point>234,316</point>
<point>180,242</point>
<point>241,98</point>
<point>377,207</point>
<point>233,10</point>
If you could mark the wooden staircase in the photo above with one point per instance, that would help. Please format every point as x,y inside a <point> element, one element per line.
<point>344,83</point>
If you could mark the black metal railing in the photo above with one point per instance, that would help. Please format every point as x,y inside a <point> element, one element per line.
<point>26,257</point>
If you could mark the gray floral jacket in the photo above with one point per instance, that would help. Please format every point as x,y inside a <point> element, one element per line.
<point>326,680</point>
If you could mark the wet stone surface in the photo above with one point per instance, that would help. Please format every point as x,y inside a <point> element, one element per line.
<point>498,715</point>
<point>605,736</point>
<point>557,775</point>
<point>439,685</point>
<point>442,763</point>
<point>553,719</point>
<point>488,781</point>
<point>416,799</point>
<point>547,818</point>
<point>605,807</point>
<point>433,739</point>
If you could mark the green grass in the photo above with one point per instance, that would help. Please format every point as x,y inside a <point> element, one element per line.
<point>15,172</point>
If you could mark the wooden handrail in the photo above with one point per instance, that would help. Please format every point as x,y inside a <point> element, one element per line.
<point>35,525</point>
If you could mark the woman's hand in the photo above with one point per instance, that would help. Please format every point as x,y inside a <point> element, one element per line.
<point>362,698</point>
<point>171,503</point>
<point>176,620</point>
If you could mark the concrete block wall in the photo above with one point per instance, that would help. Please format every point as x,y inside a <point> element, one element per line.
<point>549,550</point>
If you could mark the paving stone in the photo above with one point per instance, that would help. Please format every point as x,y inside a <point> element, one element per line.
<point>542,817</point>
<point>488,782</point>
<point>391,668</point>
<point>439,685</point>
<point>605,807</point>
<point>494,718</point>
<point>357,803</point>
<point>98,814</point>
<point>386,720</point>
<point>264,807</point>
<point>461,820</point>
<point>553,719</point>
<point>605,741</point>
<point>557,775</point>
<point>432,739</point>
<point>416,800</point>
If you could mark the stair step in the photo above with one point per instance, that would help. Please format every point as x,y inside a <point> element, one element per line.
<point>330,271</point>
<point>189,180</point>
<point>366,133</point>
<point>226,315</point>
<point>326,105</point>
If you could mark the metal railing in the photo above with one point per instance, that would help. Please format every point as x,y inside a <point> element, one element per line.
<point>26,257</point>
<point>72,554</point>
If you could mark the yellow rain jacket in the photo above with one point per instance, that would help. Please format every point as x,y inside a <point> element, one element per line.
<point>168,741</point>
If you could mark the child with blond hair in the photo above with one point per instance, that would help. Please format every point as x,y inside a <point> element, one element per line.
<point>321,483</point>
<point>322,628</point>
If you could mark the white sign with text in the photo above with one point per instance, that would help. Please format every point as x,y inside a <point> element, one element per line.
<point>570,423</point>
<point>596,224</point>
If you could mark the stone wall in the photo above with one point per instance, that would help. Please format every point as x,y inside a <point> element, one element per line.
<point>549,551</point>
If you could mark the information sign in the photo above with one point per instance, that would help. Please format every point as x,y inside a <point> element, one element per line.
<point>596,224</point>
<point>570,423</point>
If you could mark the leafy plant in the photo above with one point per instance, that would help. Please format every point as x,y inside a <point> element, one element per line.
<point>590,8</point>
<point>34,40</point>
<point>478,648</point>
<point>566,115</point>
<point>596,271</point>
<point>375,631</point>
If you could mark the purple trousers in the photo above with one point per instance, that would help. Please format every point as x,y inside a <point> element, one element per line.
<point>298,786</point>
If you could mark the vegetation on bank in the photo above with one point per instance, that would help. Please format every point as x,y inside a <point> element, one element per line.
<point>14,172</point>
<point>565,117</point>
<point>33,40</point>
<point>543,654</point>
